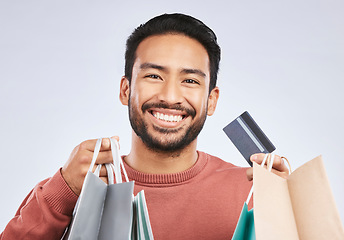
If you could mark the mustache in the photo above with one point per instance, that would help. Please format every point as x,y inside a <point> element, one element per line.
<point>189,111</point>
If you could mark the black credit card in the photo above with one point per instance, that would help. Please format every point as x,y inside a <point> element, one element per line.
<point>247,136</point>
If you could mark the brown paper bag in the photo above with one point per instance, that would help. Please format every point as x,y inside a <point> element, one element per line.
<point>300,207</point>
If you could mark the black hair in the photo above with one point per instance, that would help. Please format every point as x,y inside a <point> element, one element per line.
<point>175,23</point>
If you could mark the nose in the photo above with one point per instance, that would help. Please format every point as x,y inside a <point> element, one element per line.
<point>171,92</point>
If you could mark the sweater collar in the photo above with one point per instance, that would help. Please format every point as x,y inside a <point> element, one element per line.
<point>171,178</point>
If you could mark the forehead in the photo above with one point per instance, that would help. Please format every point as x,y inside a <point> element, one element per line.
<point>173,51</point>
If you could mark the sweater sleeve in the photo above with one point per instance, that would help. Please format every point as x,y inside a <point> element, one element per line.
<point>45,212</point>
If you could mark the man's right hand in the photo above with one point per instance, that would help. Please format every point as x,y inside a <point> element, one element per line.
<point>75,169</point>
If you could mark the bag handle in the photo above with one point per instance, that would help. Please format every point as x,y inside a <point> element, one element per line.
<point>108,170</point>
<point>117,162</point>
<point>95,154</point>
<point>109,173</point>
<point>97,171</point>
<point>111,168</point>
<point>267,157</point>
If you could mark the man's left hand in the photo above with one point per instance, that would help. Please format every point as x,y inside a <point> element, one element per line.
<point>278,167</point>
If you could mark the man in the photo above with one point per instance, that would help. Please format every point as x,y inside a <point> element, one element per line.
<point>170,88</point>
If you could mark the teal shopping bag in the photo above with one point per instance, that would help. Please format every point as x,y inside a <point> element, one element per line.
<point>141,224</point>
<point>245,226</point>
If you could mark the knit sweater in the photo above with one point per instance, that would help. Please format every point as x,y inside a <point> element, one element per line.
<point>203,202</point>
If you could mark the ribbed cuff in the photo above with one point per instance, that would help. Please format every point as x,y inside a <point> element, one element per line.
<point>59,195</point>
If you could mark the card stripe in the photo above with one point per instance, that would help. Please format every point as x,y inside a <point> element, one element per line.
<point>249,133</point>
<point>257,132</point>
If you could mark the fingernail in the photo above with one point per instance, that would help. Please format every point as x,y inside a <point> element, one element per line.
<point>254,157</point>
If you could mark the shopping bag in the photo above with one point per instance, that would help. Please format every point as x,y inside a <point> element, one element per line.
<point>245,229</point>
<point>116,222</point>
<point>106,211</point>
<point>245,226</point>
<point>299,207</point>
<point>135,225</point>
<point>141,224</point>
<point>89,207</point>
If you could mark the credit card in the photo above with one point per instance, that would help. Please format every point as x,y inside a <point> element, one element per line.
<point>248,137</point>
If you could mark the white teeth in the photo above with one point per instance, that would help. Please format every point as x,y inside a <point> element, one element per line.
<point>169,118</point>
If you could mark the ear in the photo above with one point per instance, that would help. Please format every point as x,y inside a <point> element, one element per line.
<point>212,100</point>
<point>124,91</point>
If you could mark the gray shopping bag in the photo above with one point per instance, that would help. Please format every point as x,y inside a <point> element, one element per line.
<point>87,214</point>
<point>116,222</point>
<point>89,207</point>
<point>137,226</point>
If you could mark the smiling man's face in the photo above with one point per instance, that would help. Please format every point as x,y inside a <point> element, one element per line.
<point>169,96</point>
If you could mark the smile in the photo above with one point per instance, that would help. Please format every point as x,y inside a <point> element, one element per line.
<point>167,117</point>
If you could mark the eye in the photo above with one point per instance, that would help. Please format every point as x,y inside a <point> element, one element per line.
<point>153,76</point>
<point>191,81</point>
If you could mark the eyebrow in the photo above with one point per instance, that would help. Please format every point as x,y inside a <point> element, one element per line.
<point>152,65</point>
<point>194,71</point>
<point>162,68</point>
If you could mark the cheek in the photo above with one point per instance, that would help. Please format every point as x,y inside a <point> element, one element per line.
<point>134,97</point>
<point>141,93</point>
<point>198,100</point>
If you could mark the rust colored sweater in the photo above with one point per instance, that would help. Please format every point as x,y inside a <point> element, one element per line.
<point>203,202</point>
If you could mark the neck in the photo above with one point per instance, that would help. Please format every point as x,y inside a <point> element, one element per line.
<point>146,160</point>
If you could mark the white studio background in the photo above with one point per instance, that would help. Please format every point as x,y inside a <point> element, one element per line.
<point>61,63</point>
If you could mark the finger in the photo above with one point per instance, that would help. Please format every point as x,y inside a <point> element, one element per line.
<point>104,157</point>
<point>85,158</point>
<point>257,158</point>
<point>106,143</point>
<point>278,163</point>
<point>102,172</point>
<point>90,144</point>
<point>249,174</point>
